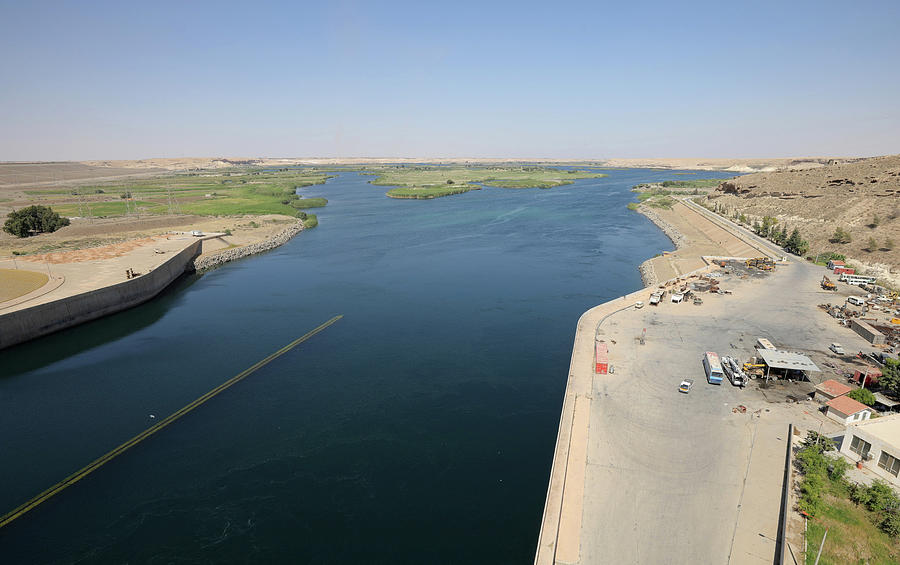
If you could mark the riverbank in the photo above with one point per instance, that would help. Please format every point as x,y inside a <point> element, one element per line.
<point>648,272</point>
<point>694,237</point>
<point>208,261</point>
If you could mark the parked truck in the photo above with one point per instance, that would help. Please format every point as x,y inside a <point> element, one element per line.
<point>733,371</point>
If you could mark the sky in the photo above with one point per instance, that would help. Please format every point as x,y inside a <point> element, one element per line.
<point>593,80</point>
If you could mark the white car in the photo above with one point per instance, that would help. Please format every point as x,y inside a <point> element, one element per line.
<point>639,304</point>
<point>836,348</point>
<point>686,385</point>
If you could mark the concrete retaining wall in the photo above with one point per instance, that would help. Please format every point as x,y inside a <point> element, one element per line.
<point>42,319</point>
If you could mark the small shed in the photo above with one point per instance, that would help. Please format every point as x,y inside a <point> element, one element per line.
<point>832,264</point>
<point>830,389</point>
<point>846,410</point>
<point>871,376</point>
<point>884,403</point>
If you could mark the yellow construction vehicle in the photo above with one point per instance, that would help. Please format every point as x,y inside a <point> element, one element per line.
<point>827,284</point>
<point>761,263</point>
<point>754,366</point>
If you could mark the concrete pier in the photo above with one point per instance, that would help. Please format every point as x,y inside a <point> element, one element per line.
<point>82,290</point>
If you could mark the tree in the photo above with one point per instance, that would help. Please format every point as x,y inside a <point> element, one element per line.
<point>888,244</point>
<point>795,244</point>
<point>768,224</point>
<point>863,395</point>
<point>890,377</point>
<point>449,181</point>
<point>757,228</point>
<point>742,219</point>
<point>875,221</point>
<point>840,236</point>
<point>871,244</point>
<point>33,220</point>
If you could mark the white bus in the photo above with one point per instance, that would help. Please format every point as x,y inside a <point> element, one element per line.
<point>713,368</point>
<point>856,279</point>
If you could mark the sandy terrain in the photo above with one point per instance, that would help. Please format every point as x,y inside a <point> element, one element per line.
<point>698,238</point>
<point>15,283</point>
<point>817,201</point>
<point>24,173</point>
<point>15,175</point>
<point>734,165</point>
<point>83,234</point>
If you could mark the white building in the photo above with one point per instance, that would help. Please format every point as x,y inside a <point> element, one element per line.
<point>846,410</point>
<point>877,444</point>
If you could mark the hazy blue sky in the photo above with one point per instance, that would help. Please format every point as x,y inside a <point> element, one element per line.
<point>88,80</point>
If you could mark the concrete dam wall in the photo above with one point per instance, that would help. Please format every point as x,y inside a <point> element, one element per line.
<point>42,319</point>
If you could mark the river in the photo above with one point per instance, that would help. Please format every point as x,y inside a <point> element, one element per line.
<point>418,429</point>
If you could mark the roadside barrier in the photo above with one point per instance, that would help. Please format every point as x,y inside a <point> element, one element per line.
<point>96,464</point>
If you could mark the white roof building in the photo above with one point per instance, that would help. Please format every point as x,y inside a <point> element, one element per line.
<point>877,444</point>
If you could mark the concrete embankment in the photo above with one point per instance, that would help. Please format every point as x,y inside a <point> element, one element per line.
<point>28,323</point>
<point>624,458</point>
<point>559,537</point>
<point>206,262</point>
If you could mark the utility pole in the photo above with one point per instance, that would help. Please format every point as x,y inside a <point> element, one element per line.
<point>820,547</point>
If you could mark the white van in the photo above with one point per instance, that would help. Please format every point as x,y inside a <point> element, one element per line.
<point>856,300</point>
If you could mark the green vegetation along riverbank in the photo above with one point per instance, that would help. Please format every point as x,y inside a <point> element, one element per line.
<point>202,193</point>
<point>659,195</point>
<point>423,182</point>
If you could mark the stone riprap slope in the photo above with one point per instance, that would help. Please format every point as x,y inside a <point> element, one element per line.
<point>210,261</point>
<point>860,196</point>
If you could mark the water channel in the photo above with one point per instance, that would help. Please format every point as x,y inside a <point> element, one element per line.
<point>418,429</point>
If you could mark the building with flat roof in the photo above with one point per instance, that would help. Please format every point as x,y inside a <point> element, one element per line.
<point>877,444</point>
<point>846,410</point>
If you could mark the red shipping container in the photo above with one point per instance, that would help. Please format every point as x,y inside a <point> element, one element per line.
<point>844,270</point>
<point>871,378</point>
<point>601,358</point>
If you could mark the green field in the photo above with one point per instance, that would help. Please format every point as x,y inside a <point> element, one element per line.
<point>852,536</point>
<point>205,193</point>
<point>433,182</point>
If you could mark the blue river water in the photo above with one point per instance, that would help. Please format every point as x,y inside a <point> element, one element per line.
<point>418,429</point>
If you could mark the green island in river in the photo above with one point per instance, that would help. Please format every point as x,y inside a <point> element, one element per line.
<point>424,182</point>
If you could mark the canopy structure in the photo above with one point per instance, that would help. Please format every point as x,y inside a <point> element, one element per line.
<point>777,359</point>
<point>885,401</point>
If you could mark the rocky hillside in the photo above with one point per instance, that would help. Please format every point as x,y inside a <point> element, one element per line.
<point>860,197</point>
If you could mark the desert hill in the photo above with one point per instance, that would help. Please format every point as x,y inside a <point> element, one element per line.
<point>860,196</point>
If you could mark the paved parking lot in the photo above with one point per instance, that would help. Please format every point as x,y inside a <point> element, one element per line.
<point>675,478</point>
